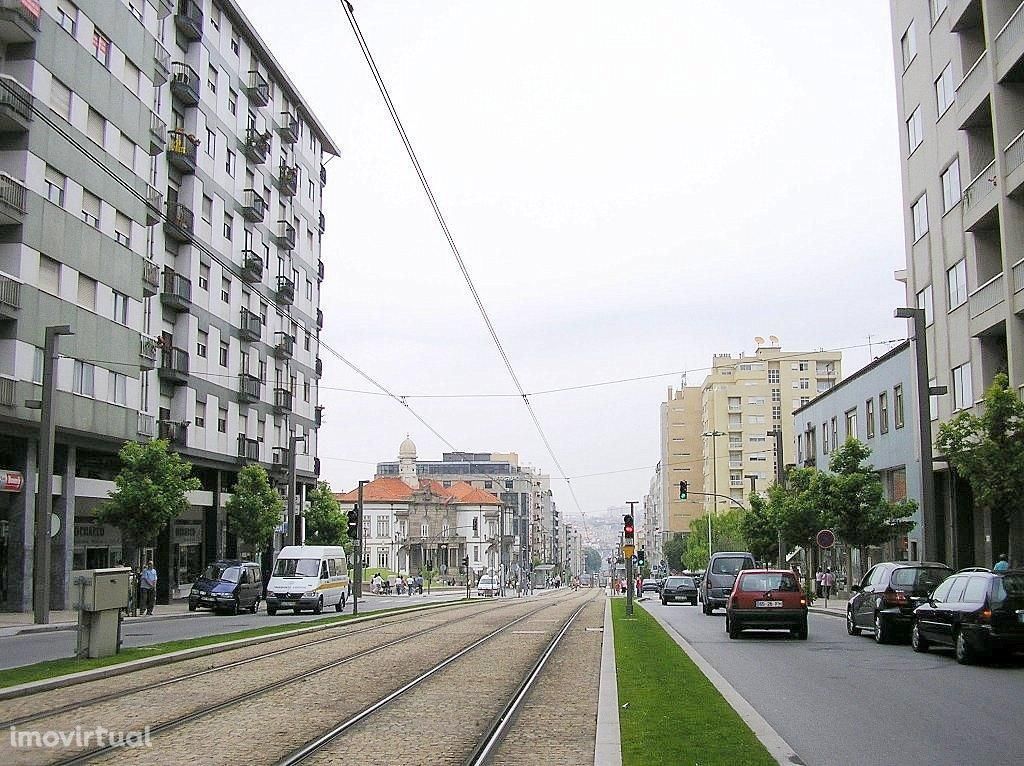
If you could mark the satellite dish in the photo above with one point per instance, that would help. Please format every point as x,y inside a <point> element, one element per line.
<point>774,340</point>
<point>759,340</point>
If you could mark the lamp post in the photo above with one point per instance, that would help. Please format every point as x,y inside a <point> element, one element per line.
<point>780,479</point>
<point>714,481</point>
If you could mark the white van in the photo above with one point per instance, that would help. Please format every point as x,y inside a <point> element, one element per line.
<point>308,577</point>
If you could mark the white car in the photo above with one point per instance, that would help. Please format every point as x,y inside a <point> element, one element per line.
<point>488,586</point>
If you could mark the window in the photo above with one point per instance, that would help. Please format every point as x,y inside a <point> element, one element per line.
<point>920,214</point>
<point>211,79</point>
<point>132,76</point>
<point>101,47</point>
<point>311,189</point>
<point>200,414</point>
<point>924,301</point>
<point>90,208</point>
<point>49,275</point>
<point>776,396</point>
<point>777,412</point>
<point>223,356</point>
<point>908,43</point>
<point>204,276</point>
<point>963,396</point>
<point>824,438</point>
<point>305,390</point>
<point>936,7</point>
<point>117,386</point>
<point>229,223</point>
<point>215,17</point>
<point>225,289</point>
<point>851,424</point>
<point>201,343</point>
<point>86,292</point>
<point>84,375</point>
<point>956,279</point>
<point>207,209</point>
<point>211,143</point>
<point>95,126</point>
<point>229,163</point>
<point>835,434</point>
<point>897,403</point>
<point>945,90</point>
<point>309,289</point>
<point>67,16</point>
<point>773,376</point>
<point>55,183</point>
<point>222,420</point>
<point>915,130</point>
<point>60,98</point>
<point>120,308</point>
<point>123,229</point>
<point>306,343</point>
<point>234,42</point>
<point>933,401</point>
<point>232,101</point>
<point>883,412</point>
<point>869,418</point>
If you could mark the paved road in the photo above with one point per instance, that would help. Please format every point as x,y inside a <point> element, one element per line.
<point>840,699</point>
<point>28,648</point>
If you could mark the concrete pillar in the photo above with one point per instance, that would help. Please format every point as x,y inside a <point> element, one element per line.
<point>19,564</point>
<point>61,555</point>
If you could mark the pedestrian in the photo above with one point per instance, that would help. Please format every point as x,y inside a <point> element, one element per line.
<point>828,581</point>
<point>147,587</point>
<point>818,585</point>
<point>1003,564</point>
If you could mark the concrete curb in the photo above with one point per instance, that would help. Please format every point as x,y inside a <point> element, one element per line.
<point>17,630</point>
<point>777,747</point>
<point>830,612</point>
<point>608,747</point>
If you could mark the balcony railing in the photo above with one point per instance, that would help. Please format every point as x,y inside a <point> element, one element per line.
<point>7,388</point>
<point>1010,35</point>
<point>248,449</point>
<point>154,200</point>
<point>988,296</point>
<point>289,129</point>
<point>318,415</point>
<point>189,20</point>
<point>323,223</point>
<point>285,290</point>
<point>184,83</point>
<point>177,290</point>
<point>161,65</point>
<point>282,400</point>
<point>258,89</point>
<point>174,365</point>
<point>252,266</point>
<point>252,327</point>
<point>975,79</point>
<point>10,292</point>
<point>320,271</point>
<point>175,433</point>
<point>323,175</point>
<point>182,150</point>
<point>15,104</point>
<point>285,235</point>
<point>149,351</point>
<point>150,278</point>
<point>157,134</point>
<point>319,319</point>
<point>318,367</point>
<point>249,387</point>
<point>12,196</point>
<point>1018,276</point>
<point>257,145</point>
<point>1014,153</point>
<point>147,425</point>
<point>280,458</point>
<point>180,222</point>
<point>981,187</point>
<point>285,347</point>
<point>254,207</point>
<point>288,180</point>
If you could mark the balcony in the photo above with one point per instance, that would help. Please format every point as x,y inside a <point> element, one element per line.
<point>981,305</point>
<point>288,180</point>
<point>322,223</point>
<point>318,367</point>
<point>1009,43</point>
<point>285,290</point>
<point>173,365</point>
<point>150,278</point>
<point>15,105</point>
<point>19,21</point>
<point>174,433</point>
<point>280,460</point>
<point>256,146</point>
<point>12,200</point>
<point>973,90</point>
<point>319,319</point>
<point>10,296</point>
<point>8,387</point>
<point>252,266</point>
<point>163,8</point>
<point>248,449</point>
<point>184,83</point>
<point>316,466</point>
<point>149,352</point>
<point>1017,285</point>
<point>157,134</point>
<point>289,130</point>
<point>320,271</point>
<point>1013,160</point>
<point>161,65</point>
<point>251,326</point>
<point>980,199</point>
<point>147,425</point>
<point>154,200</point>
<point>285,347</point>
<point>182,151</point>
<point>180,222</point>
<point>323,175</point>
<point>189,20</point>
<point>318,415</point>
<point>254,207</point>
<point>282,400</point>
<point>250,387</point>
<point>177,292</point>
<point>285,234</point>
<point>258,89</point>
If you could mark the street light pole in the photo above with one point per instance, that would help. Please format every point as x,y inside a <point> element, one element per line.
<point>714,481</point>
<point>780,479</point>
<point>357,549</point>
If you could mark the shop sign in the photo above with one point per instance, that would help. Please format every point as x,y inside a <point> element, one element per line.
<point>90,532</point>
<point>187,533</point>
<point>11,481</point>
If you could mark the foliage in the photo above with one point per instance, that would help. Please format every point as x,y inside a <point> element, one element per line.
<point>795,506</point>
<point>760,529</point>
<point>592,559</point>
<point>151,490</point>
<point>255,508</point>
<point>674,549</point>
<point>325,522</point>
<point>726,535</point>
<point>429,574</point>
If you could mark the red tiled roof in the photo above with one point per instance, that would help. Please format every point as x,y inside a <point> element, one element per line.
<point>389,489</point>
<point>382,489</point>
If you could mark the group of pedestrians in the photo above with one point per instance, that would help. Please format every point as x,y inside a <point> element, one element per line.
<point>825,582</point>
<point>402,585</point>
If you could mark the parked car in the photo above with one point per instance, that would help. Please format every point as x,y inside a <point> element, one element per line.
<point>679,588</point>
<point>487,586</point>
<point>887,595</point>
<point>228,585</point>
<point>720,577</point>
<point>650,585</point>
<point>977,613</point>
<point>766,598</point>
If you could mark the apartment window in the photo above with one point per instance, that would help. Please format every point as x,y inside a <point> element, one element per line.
<point>86,292</point>
<point>835,434</point>
<point>49,275</point>
<point>222,420</point>
<point>956,279</point>
<point>311,189</point>
<point>774,376</point>
<point>232,101</point>
<point>67,16</point>
<point>869,417</point>
<point>936,7</point>
<point>60,98</point>
<point>132,76</point>
<point>920,214</point>
<point>305,390</point>
<point>234,42</point>
<point>55,183</point>
<point>101,47</point>
<point>225,289</point>
<point>202,341</point>
<point>84,376</point>
<point>963,395</point>
<point>897,404</point>
<point>309,289</point>
<point>204,276</point>
<point>200,414</point>
<point>223,356</point>
<point>776,396</point>
<point>90,208</point>
<point>883,412</point>
<point>123,229</point>
<point>851,424</point>
<point>924,301</point>
<point>211,144</point>
<point>117,388</point>
<point>945,90</point>
<point>229,223</point>
<point>95,126</point>
<point>207,209</point>
<point>211,79</point>
<point>915,130</point>
<point>307,341</point>
<point>908,43</point>
<point>933,401</point>
<point>755,419</point>
<point>777,412</point>
<point>824,438</point>
<point>37,365</point>
<point>120,308</point>
<point>229,163</point>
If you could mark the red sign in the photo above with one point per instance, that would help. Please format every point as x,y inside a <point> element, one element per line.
<point>11,481</point>
<point>826,538</point>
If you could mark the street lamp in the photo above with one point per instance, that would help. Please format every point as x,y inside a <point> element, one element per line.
<point>714,481</point>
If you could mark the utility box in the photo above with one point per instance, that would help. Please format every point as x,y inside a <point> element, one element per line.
<point>101,595</point>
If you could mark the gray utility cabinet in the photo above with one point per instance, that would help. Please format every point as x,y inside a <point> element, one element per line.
<point>102,594</point>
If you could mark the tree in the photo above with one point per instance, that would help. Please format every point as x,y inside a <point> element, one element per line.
<point>988,451</point>
<point>429,574</point>
<point>674,549</point>
<point>325,523</point>
<point>254,510</point>
<point>726,535</point>
<point>760,528</point>
<point>592,557</point>
<point>151,490</point>
<point>796,508</point>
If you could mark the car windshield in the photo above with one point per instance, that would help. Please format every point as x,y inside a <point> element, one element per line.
<point>675,582</point>
<point>297,568</point>
<point>730,565</point>
<point>920,578</point>
<point>1008,587</point>
<point>767,581</point>
<point>221,572</point>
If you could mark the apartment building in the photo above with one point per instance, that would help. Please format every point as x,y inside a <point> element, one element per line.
<point>682,456</point>
<point>161,189</point>
<point>959,69</point>
<point>743,400</point>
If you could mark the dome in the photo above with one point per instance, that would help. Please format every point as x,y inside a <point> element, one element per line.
<point>408,449</point>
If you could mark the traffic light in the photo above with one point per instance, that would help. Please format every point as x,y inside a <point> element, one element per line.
<point>465,562</point>
<point>627,528</point>
<point>682,490</point>
<point>641,557</point>
<point>353,524</point>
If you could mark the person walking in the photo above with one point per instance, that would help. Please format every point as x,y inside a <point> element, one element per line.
<point>147,587</point>
<point>819,576</point>
<point>1003,564</point>
<point>828,581</point>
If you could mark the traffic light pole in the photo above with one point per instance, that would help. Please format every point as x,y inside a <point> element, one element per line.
<point>357,548</point>
<point>629,564</point>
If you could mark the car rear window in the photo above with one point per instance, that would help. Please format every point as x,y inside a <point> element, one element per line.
<point>675,582</point>
<point>761,582</point>
<point>730,565</point>
<point>925,578</point>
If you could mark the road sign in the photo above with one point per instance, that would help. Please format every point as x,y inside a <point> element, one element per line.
<point>628,550</point>
<point>826,538</point>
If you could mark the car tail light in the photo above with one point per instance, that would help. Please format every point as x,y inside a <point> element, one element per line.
<point>803,602</point>
<point>895,597</point>
<point>985,615</point>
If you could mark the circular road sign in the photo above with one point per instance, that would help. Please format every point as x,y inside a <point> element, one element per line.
<point>826,538</point>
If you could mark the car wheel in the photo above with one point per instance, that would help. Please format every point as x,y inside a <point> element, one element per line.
<point>234,607</point>
<point>706,609</point>
<point>964,652</point>
<point>917,641</point>
<point>340,605</point>
<point>271,610</point>
<point>881,629</point>
<point>664,602</point>
<point>801,631</point>
<point>255,606</point>
<point>851,627</point>
<point>319,608</point>
<point>734,629</point>
<point>297,610</point>
<point>191,607</point>
<point>693,603</point>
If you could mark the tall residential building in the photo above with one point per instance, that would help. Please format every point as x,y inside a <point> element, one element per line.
<point>743,400</point>
<point>961,126</point>
<point>681,460</point>
<point>161,189</point>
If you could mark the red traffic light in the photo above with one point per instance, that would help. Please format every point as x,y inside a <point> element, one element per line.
<point>627,525</point>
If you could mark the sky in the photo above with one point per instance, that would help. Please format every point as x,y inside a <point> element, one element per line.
<point>633,188</point>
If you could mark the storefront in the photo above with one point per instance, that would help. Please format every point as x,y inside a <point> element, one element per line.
<point>187,552</point>
<point>96,545</point>
<point>11,483</point>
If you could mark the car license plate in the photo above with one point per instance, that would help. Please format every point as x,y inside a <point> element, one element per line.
<point>760,604</point>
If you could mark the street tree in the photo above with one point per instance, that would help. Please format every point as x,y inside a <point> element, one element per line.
<point>674,549</point>
<point>429,574</point>
<point>726,535</point>
<point>255,508</point>
<point>761,529</point>
<point>151,491</point>
<point>796,508</point>
<point>988,451</point>
<point>325,522</point>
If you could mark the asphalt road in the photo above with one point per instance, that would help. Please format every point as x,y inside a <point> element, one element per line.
<point>840,699</point>
<point>28,648</point>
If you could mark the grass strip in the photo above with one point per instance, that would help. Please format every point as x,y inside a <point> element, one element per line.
<point>669,712</point>
<point>53,668</point>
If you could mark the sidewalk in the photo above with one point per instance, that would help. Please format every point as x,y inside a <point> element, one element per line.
<point>836,604</point>
<point>15,623</point>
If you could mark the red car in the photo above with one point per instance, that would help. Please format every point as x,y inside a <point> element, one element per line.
<point>766,598</point>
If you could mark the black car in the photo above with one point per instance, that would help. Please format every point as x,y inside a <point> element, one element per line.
<point>679,588</point>
<point>886,597</point>
<point>228,585</point>
<point>977,613</point>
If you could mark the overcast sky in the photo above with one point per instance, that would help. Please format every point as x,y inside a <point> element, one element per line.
<point>634,187</point>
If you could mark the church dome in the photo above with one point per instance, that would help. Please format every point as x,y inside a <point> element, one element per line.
<point>408,449</point>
